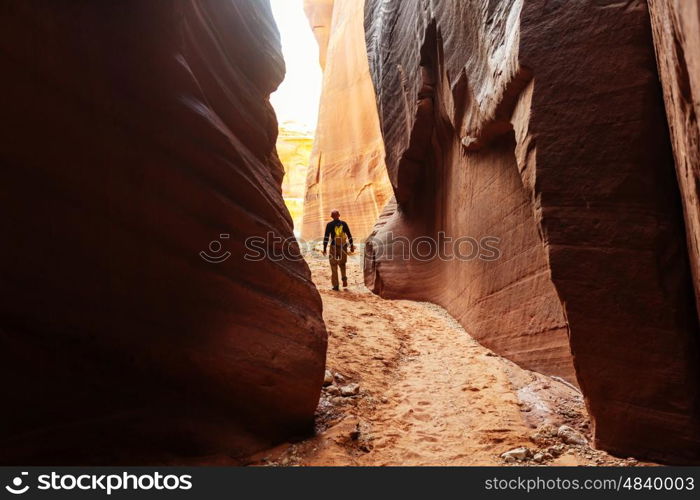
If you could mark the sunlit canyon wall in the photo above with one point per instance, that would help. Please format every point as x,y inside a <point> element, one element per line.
<point>346,170</point>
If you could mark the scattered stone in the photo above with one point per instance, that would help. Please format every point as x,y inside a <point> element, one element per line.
<point>539,457</point>
<point>516,454</point>
<point>571,436</point>
<point>332,390</point>
<point>557,449</point>
<point>545,431</point>
<point>350,390</point>
<point>338,400</point>
<point>339,378</point>
<point>328,378</point>
<point>384,400</point>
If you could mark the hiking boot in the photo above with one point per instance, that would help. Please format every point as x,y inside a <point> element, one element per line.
<point>345,282</point>
<point>336,288</point>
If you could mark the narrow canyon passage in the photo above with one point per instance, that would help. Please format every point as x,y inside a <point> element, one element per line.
<point>156,161</point>
<point>429,394</point>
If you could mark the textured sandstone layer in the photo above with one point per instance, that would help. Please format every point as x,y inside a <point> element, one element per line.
<point>676,29</point>
<point>542,124</point>
<point>294,146</point>
<point>131,138</point>
<point>347,169</point>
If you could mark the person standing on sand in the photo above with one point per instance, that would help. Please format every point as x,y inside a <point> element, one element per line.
<point>338,233</point>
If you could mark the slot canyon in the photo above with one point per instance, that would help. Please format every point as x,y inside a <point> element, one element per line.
<point>141,153</point>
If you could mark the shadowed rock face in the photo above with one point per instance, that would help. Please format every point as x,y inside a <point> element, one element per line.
<point>131,138</point>
<point>346,170</point>
<point>676,29</point>
<point>542,124</point>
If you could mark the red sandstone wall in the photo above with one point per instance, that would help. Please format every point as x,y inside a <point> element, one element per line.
<point>542,124</point>
<point>132,136</point>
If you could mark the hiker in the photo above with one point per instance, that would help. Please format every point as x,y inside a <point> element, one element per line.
<point>338,233</point>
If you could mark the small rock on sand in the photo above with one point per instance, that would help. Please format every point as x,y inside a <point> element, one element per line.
<point>557,450</point>
<point>571,436</point>
<point>544,432</point>
<point>328,378</point>
<point>516,454</point>
<point>350,390</point>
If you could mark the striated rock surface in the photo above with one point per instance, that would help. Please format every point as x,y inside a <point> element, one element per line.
<point>676,29</point>
<point>538,128</point>
<point>131,138</point>
<point>346,169</point>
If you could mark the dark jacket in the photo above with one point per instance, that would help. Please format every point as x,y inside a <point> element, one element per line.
<point>330,232</point>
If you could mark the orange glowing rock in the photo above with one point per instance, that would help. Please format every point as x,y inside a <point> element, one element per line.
<point>294,146</point>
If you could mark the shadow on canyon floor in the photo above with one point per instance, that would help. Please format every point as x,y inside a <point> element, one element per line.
<point>411,387</point>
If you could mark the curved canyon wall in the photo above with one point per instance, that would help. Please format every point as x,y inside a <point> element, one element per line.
<point>346,170</point>
<point>131,138</point>
<point>537,128</point>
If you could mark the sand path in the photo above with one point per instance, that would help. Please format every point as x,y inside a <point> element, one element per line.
<point>429,393</point>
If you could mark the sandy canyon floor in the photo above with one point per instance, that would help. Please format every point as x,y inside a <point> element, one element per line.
<point>411,387</point>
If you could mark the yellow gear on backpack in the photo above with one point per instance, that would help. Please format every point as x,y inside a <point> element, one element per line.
<point>340,236</point>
